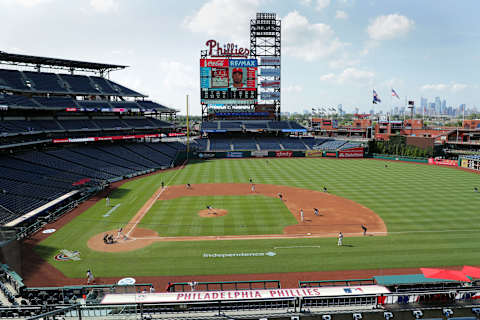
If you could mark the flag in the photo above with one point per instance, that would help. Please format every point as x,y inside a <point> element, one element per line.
<point>376,99</point>
<point>394,94</point>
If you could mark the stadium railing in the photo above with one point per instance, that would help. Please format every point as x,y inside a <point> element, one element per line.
<point>335,283</point>
<point>225,285</point>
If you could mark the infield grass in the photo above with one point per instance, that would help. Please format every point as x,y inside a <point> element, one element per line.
<point>432,215</point>
<point>252,214</point>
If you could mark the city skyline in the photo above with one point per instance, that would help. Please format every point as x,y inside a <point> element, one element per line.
<point>333,51</point>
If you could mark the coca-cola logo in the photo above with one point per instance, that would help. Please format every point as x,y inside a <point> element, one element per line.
<point>215,63</point>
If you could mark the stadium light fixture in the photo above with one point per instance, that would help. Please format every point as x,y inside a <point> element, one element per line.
<point>447,312</point>
<point>388,315</point>
<point>357,316</point>
<point>417,314</point>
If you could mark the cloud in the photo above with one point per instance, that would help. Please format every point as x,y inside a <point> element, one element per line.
<point>24,3</point>
<point>389,27</point>
<point>343,62</point>
<point>308,41</point>
<point>319,6</point>
<point>176,75</point>
<point>322,4</point>
<point>104,6</point>
<point>350,75</point>
<point>293,88</point>
<point>454,87</point>
<point>340,14</point>
<point>369,45</point>
<point>223,18</point>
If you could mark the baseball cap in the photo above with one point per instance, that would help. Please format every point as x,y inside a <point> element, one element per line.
<point>237,70</point>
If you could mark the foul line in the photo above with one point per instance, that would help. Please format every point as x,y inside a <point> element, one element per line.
<point>154,200</point>
<point>111,210</point>
<point>294,247</point>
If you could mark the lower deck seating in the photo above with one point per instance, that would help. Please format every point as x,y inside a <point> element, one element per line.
<point>34,178</point>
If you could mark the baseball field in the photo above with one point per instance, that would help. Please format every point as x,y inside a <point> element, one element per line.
<point>417,216</point>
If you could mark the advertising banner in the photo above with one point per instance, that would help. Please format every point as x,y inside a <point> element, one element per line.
<point>260,154</point>
<point>88,139</point>
<point>270,61</point>
<point>243,63</point>
<point>464,163</point>
<point>443,162</point>
<point>270,72</point>
<point>275,84</point>
<point>235,155</point>
<point>283,154</point>
<point>214,63</point>
<point>270,95</point>
<point>256,294</point>
<point>206,155</point>
<point>313,153</point>
<point>350,154</point>
<point>330,154</point>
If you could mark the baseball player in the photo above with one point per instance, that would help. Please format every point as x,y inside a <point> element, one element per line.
<point>188,186</point>
<point>90,278</point>
<point>325,189</point>
<point>119,233</point>
<point>192,284</point>
<point>210,209</point>
<point>315,211</point>
<point>364,228</point>
<point>253,187</point>
<point>280,196</point>
<point>340,239</point>
<point>107,201</point>
<point>301,215</point>
<point>163,185</point>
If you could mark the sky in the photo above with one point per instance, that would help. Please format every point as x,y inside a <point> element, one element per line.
<point>333,51</point>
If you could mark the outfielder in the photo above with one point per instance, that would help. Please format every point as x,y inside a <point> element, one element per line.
<point>340,239</point>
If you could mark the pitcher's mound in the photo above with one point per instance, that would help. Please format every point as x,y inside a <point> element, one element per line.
<point>213,213</point>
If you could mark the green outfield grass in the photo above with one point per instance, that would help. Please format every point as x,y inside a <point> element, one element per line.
<point>432,215</point>
<point>252,214</point>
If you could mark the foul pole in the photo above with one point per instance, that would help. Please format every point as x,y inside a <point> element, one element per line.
<point>188,132</point>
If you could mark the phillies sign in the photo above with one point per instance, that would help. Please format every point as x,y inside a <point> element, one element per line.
<point>215,49</point>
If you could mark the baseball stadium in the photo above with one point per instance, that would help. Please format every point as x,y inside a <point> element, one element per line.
<point>109,209</point>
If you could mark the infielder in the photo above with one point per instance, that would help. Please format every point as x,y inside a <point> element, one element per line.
<point>253,188</point>
<point>301,215</point>
<point>364,228</point>
<point>315,211</point>
<point>340,239</point>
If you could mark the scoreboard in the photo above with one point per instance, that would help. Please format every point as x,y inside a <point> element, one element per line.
<point>228,81</point>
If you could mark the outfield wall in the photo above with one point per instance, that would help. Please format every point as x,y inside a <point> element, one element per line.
<point>350,153</point>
